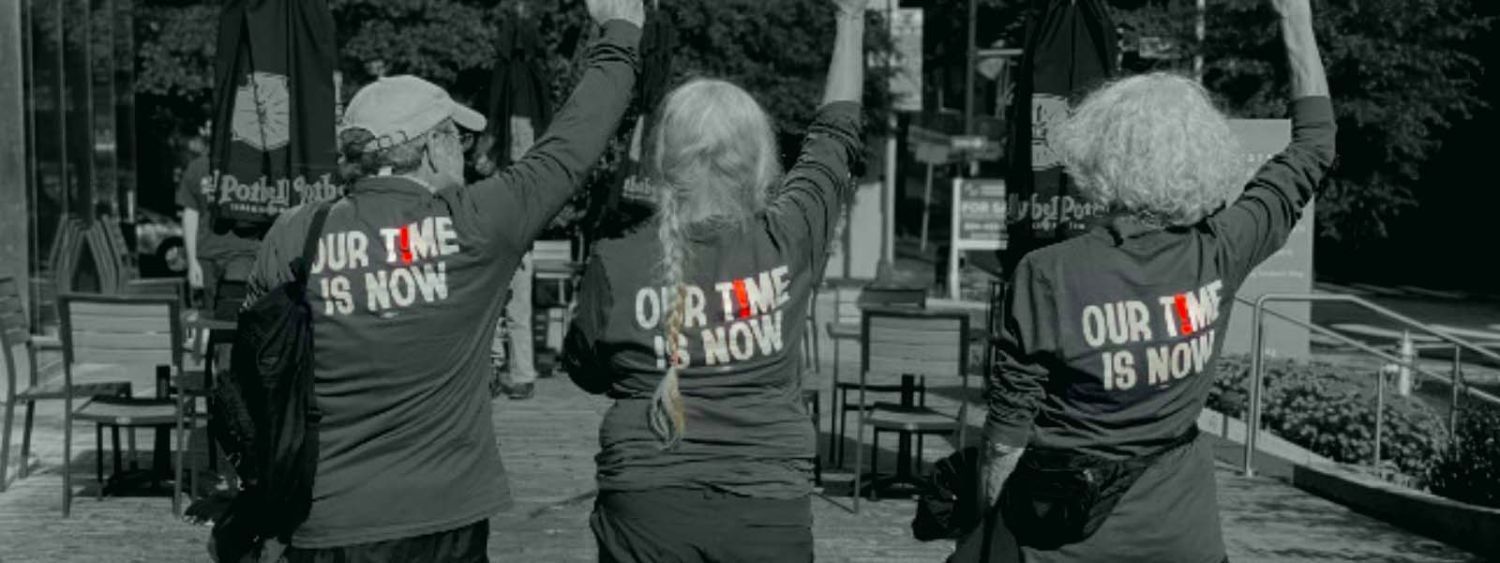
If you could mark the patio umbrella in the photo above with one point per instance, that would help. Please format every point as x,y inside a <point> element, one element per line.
<point>519,105</point>
<point>273,135</point>
<point>627,201</point>
<point>1070,48</point>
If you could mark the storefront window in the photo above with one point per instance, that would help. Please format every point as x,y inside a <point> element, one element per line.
<point>80,140</point>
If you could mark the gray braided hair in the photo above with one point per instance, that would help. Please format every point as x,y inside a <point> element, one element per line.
<point>712,158</point>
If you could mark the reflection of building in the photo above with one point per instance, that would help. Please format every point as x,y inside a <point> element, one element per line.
<point>67,110</point>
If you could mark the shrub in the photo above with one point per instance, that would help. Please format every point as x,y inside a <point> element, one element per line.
<point>1469,471</point>
<point>1330,410</point>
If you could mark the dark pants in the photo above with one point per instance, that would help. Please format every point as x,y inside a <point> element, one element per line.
<point>689,526</point>
<point>462,545</point>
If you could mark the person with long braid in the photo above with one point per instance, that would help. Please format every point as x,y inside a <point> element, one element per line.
<point>691,323</point>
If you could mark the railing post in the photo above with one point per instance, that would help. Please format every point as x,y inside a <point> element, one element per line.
<point>1252,412</point>
<point>1379,417</point>
<point>1403,373</point>
<point>1457,386</point>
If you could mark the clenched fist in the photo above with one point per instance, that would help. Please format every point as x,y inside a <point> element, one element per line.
<point>633,11</point>
<point>851,7</point>
<point>1292,9</point>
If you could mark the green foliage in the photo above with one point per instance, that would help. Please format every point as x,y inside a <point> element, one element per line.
<point>777,49</point>
<point>175,53</point>
<point>1403,72</point>
<point>1330,410</point>
<point>434,39</point>
<point>1470,470</point>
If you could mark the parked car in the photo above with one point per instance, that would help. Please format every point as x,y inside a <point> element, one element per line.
<point>159,243</point>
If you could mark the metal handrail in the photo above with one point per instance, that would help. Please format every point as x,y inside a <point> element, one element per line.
<point>1252,422</point>
<point>1397,360</point>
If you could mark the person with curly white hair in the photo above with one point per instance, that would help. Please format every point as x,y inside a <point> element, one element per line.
<point>1107,350</point>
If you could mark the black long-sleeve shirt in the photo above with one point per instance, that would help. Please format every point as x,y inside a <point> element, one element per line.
<point>1109,339</point>
<point>404,292</point>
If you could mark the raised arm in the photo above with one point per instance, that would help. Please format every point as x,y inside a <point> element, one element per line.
<point>519,201</point>
<point>1257,225</point>
<point>806,210</point>
<point>1308,78</point>
<point>846,71</point>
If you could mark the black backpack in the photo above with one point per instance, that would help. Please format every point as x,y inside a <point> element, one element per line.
<point>265,415</point>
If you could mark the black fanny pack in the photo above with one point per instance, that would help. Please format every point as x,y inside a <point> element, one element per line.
<point>1057,497</point>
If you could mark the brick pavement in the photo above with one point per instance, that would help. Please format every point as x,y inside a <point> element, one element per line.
<point>548,445</point>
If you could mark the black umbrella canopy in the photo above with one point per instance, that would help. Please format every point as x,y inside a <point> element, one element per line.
<point>518,89</point>
<point>619,209</point>
<point>273,144</point>
<point>1070,48</point>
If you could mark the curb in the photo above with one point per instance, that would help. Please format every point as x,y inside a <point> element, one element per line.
<point>1470,527</point>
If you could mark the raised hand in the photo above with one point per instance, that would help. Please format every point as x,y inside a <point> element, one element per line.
<point>1306,64</point>
<point>1292,8</point>
<point>851,7</point>
<point>633,11</point>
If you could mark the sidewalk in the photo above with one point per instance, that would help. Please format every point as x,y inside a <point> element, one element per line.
<point>548,444</point>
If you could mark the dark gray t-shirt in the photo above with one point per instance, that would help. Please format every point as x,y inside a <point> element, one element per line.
<point>1110,341</point>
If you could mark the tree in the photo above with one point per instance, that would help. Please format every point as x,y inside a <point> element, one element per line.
<point>1403,72</point>
<point>777,49</point>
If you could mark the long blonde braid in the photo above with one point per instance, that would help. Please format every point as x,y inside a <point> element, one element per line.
<point>668,416</point>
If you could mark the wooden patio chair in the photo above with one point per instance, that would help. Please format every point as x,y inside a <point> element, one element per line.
<point>847,310</point>
<point>57,276</point>
<point>140,339</point>
<point>37,386</point>
<point>904,344</point>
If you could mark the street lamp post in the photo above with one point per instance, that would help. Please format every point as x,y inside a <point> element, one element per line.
<point>970,68</point>
<point>1201,30</point>
<point>885,268</point>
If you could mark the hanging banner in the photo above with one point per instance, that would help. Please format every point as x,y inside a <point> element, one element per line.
<point>629,199</point>
<point>1070,49</point>
<point>519,89</point>
<point>906,78</point>
<point>1289,270</point>
<point>273,136</point>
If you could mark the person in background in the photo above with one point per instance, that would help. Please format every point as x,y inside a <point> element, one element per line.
<point>707,451</point>
<point>1109,342</point>
<point>514,372</point>
<point>215,253</point>
<point>403,302</point>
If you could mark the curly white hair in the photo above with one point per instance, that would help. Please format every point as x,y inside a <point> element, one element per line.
<point>1153,146</point>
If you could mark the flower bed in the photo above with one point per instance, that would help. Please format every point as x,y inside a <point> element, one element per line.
<point>1330,410</point>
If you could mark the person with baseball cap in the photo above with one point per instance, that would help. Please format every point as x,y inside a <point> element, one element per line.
<point>402,291</point>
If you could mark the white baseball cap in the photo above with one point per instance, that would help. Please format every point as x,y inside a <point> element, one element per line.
<point>397,109</point>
